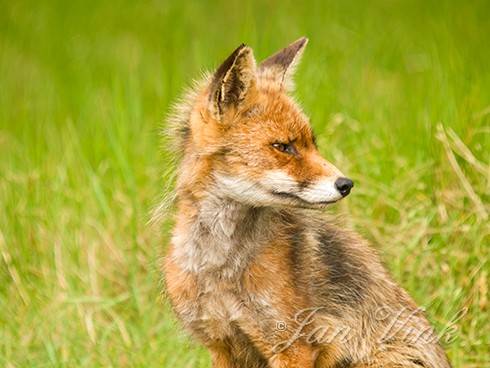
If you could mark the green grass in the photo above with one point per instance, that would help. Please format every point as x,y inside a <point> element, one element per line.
<point>84,87</point>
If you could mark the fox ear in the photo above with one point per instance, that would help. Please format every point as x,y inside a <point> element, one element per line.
<point>280,67</point>
<point>233,79</point>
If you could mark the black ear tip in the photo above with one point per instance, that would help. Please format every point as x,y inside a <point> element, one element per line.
<point>239,49</point>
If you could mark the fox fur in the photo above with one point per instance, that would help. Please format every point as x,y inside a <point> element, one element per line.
<point>255,270</point>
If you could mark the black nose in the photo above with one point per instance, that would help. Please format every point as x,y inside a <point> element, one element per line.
<point>344,185</point>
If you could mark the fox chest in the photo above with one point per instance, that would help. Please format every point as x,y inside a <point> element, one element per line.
<point>209,260</point>
<point>205,293</point>
<point>207,306</point>
<point>217,307</point>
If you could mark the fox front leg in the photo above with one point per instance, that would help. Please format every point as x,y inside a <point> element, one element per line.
<point>221,356</point>
<point>298,355</point>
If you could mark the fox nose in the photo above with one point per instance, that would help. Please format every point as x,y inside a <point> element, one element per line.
<point>344,185</point>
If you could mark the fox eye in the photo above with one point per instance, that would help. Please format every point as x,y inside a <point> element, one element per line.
<point>284,147</point>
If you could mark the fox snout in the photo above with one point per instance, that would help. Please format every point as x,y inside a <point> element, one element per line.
<point>317,192</point>
<point>328,185</point>
<point>325,191</point>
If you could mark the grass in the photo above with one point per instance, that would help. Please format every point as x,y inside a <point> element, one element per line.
<point>398,92</point>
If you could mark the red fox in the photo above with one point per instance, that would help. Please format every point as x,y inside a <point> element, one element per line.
<point>255,270</point>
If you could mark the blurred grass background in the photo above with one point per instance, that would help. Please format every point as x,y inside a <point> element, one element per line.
<point>398,93</point>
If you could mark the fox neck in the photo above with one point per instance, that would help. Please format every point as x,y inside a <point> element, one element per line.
<point>217,234</point>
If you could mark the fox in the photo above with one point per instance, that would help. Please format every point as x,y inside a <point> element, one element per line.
<point>256,269</point>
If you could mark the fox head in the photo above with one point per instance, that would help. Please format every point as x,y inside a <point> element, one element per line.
<point>246,138</point>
